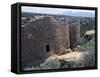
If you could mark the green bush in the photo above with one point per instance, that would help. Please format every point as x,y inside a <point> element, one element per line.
<point>85,45</point>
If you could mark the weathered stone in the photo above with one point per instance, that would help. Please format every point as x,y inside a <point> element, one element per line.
<point>89,34</point>
<point>74,34</point>
<point>40,34</point>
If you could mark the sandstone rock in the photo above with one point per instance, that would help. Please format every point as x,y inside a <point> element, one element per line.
<point>89,34</point>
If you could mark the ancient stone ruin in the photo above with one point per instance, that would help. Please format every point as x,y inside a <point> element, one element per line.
<point>43,37</point>
<point>74,34</point>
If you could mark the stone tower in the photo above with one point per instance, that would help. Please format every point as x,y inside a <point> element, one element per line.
<point>74,34</point>
<point>43,36</point>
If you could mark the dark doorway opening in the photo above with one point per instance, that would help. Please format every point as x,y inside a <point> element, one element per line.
<point>47,48</point>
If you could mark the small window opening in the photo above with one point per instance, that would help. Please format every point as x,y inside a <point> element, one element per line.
<point>47,48</point>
